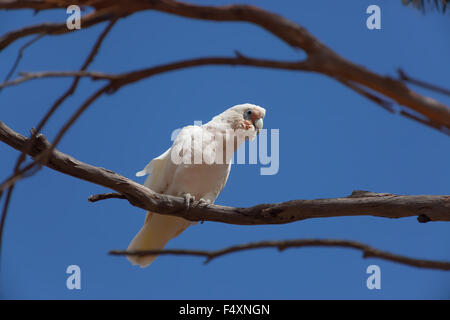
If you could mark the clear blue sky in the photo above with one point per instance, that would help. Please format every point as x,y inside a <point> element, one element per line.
<point>332,141</point>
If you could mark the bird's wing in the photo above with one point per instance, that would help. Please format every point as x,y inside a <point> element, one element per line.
<point>161,169</point>
<point>168,177</point>
<point>158,229</point>
<point>155,170</point>
<point>188,144</point>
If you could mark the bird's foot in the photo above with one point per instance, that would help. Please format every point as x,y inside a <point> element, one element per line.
<point>188,200</point>
<point>204,202</point>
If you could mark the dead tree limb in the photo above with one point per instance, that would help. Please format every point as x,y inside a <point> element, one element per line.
<point>360,203</point>
<point>281,245</point>
<point>404,77</point>
<point>325,60</point>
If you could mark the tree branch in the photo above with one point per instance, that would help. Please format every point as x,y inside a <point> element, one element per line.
<point>404,77</point>
<point>368,252</point>
<point>28,76</point>
<point>104,196</point>
<point>18,172</point>
<point>360,203</point>
<point>58,28</point>
<point>325,60</point>
<point>20,55</point>
<point>119,80</point>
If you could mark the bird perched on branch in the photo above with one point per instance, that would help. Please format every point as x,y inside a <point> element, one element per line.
<point>195,167</point>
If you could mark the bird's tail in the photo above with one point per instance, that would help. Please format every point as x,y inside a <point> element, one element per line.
<point>154,234</point>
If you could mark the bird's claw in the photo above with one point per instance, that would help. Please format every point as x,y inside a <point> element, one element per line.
<point>203,202</point>
<point>188,200</point>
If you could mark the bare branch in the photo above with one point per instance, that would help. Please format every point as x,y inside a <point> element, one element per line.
<point>20,54</point>
<point>104,196</point>
<point>57,28</point>
<point>368,252</point>
<point>325,60</point>
<point>4,212</point>
<point>122,79</point>
<point>28,76</point>
<point>361,203</point>
<point>18,172</point>
<point>404,77</point>
<point>426,122</point>
<point>29,4</point>
<point>385,104</point>
<point>75,82</point>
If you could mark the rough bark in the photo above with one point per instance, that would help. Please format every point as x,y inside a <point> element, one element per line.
<point>359,203</point>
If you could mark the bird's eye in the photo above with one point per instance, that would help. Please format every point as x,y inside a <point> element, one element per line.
<point>248,114</point>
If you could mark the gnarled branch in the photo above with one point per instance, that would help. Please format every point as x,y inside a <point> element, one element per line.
<point>428,207</point>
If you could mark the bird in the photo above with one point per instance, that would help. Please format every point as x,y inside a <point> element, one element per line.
<point>196,166</point>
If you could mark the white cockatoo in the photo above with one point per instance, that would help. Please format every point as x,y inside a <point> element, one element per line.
<point>195,167</point>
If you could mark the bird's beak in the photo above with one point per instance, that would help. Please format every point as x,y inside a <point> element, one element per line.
<point>258,124</point>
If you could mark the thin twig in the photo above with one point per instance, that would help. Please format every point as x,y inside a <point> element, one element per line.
<point>385,104</point>
<point>87,20</point>
<point>76,80</point>
<point>368,251</point>
<point>389,106</point>
<point>4,211</point>
<point>19,173</point>
<point>104,196</point>
<point>27,76</point>
<point>404,77</point>
<point>133,76</point>
<point>20,54</point>
<point>426,122</point>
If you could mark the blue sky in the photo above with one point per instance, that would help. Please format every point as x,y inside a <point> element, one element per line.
<point>332,141</point>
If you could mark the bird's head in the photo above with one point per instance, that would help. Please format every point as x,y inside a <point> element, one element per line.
<point>247,117</point>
